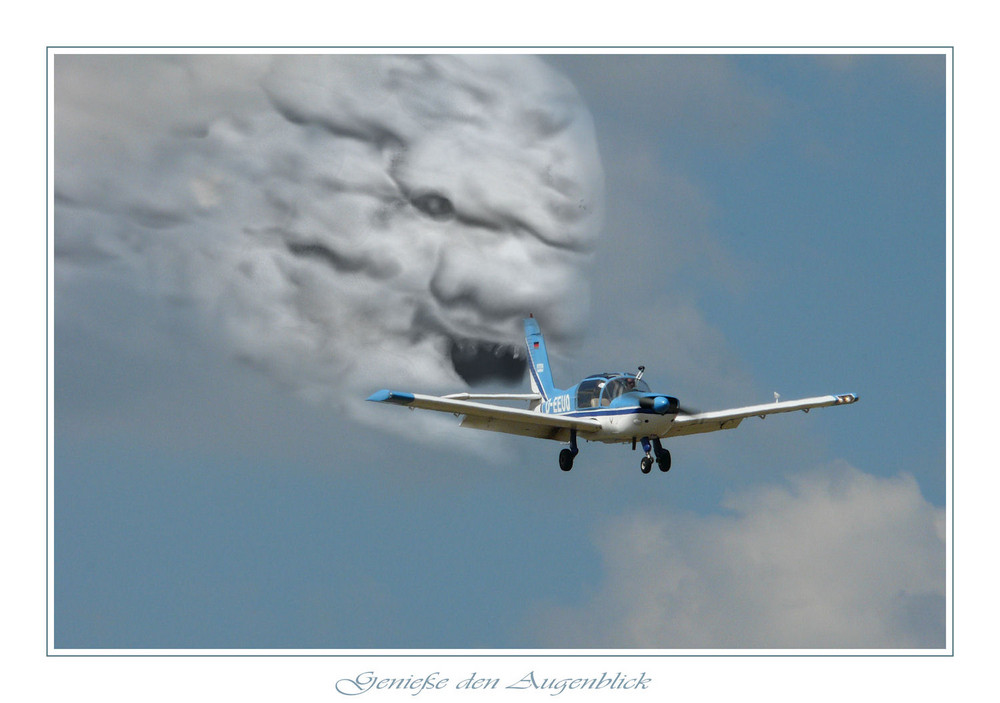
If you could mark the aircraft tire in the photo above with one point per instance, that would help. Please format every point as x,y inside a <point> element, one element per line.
<point>646,465</point>
<point>663,461</point>
<point>565,460</point>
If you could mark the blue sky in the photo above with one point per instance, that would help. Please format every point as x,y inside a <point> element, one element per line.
<point>770,223</point>
<point>822,228</point>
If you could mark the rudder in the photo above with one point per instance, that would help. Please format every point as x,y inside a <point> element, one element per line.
<point>538,359</point>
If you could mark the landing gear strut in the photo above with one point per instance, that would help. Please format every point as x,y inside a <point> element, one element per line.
<point>651,448</point>
<point>662,455</point>
<point>566,456</point>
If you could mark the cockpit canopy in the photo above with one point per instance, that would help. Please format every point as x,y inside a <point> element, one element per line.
<point>600,389</point>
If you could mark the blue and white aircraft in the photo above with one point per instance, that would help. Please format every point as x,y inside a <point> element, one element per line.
<point>605,407</point>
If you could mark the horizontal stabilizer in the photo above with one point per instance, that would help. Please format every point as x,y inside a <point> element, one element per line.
<point>493,396</point>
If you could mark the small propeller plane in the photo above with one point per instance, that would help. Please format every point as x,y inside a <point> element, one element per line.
<point>604,407</point>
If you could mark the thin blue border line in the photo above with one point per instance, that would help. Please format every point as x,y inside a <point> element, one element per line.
<point>503,46</point>
<point>951,603</point>
<point>949,52</point>
<point>48,488</point>
<point>365,655</point>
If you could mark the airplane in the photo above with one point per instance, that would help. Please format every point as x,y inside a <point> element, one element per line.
<point>604,407</point>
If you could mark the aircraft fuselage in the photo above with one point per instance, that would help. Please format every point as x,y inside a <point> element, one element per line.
<point>621,402</point>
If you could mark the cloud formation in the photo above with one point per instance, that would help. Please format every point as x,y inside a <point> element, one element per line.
<point>337,221</point>
<point>835,559</point>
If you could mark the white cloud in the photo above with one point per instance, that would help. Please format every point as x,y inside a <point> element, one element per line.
<point>835,559</point>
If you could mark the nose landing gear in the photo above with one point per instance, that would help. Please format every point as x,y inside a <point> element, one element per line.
<point>651,448</point>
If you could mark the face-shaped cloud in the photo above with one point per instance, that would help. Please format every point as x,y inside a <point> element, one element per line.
<point>342,222</point>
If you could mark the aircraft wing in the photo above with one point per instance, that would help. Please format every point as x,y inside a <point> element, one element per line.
<point>497,418</point>
<point>728,419</point>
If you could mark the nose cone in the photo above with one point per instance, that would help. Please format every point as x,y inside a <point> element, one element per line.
<point>661,404</point>
<point>664,404</point>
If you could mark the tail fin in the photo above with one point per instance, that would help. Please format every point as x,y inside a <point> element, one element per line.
<point>538,359</point>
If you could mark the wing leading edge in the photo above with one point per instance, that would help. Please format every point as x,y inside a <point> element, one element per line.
<point>728,419</point>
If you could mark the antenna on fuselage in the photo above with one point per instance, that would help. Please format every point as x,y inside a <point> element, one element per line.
<point>642,370</point>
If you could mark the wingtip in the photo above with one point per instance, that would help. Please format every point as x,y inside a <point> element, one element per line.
<point>847,398</point>
<point>387,396</point>
<point>379,396</point>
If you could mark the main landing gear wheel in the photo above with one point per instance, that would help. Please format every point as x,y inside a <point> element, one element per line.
<point>646,465</point>
<point>566,456</point>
